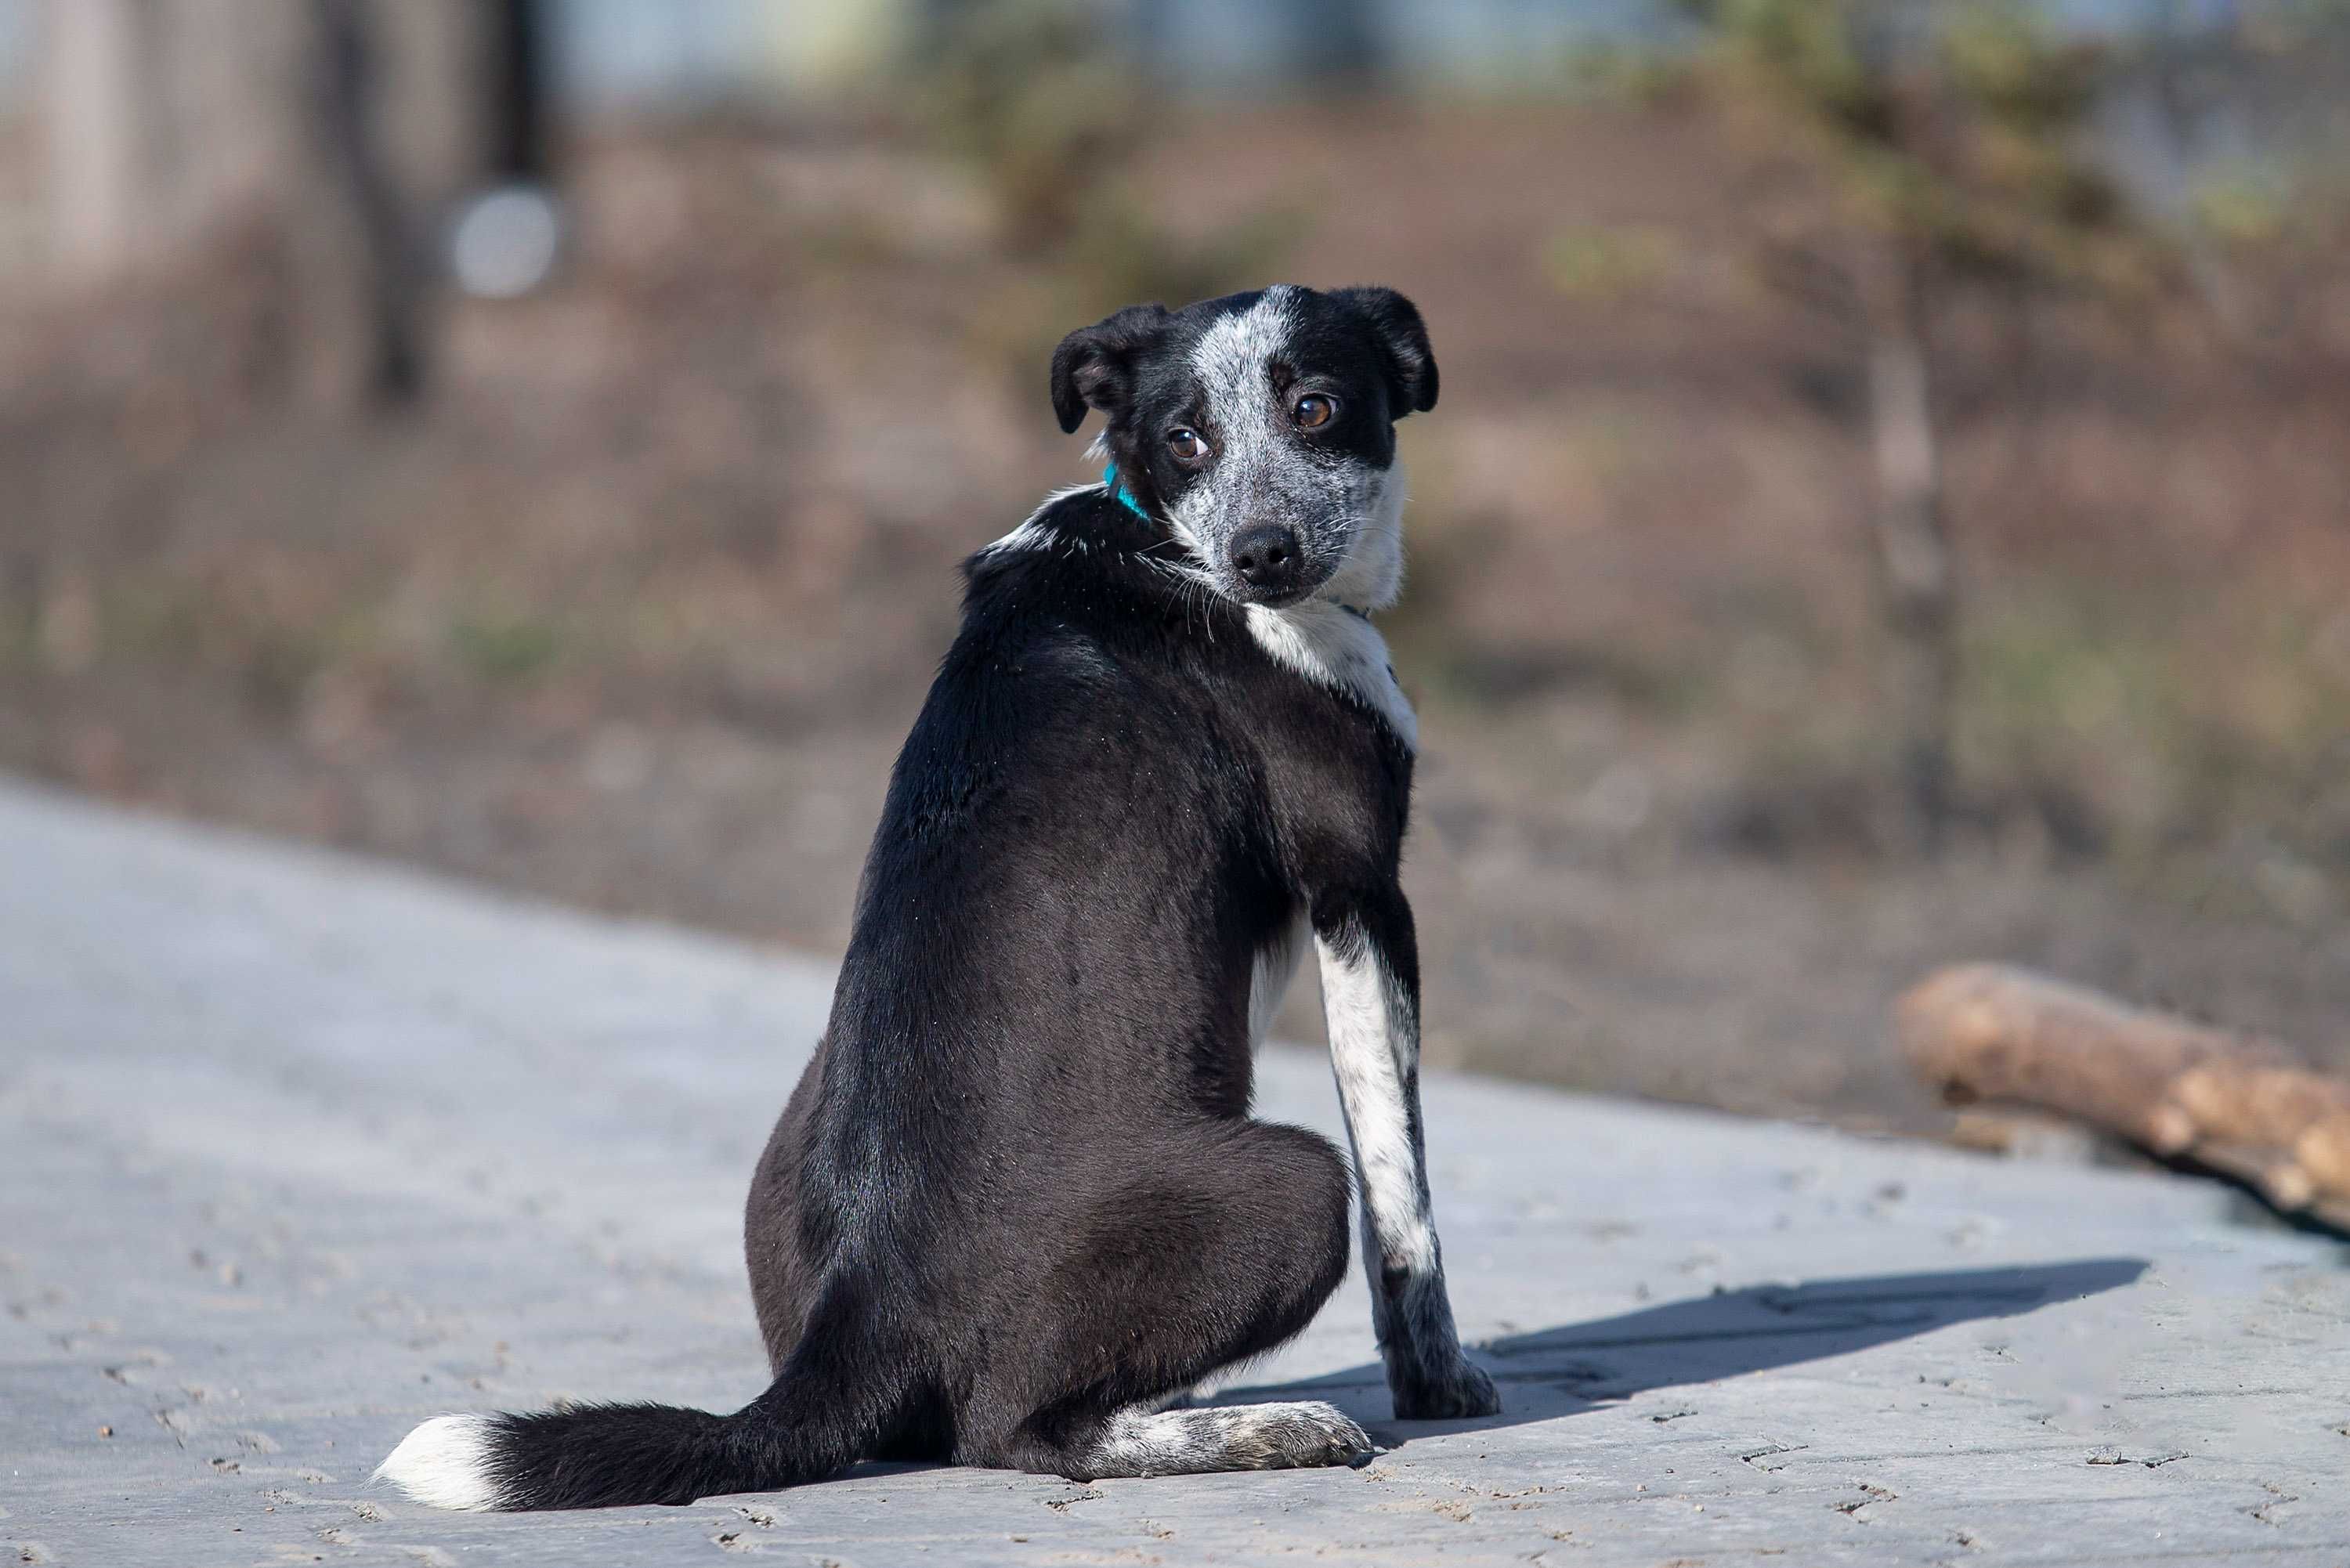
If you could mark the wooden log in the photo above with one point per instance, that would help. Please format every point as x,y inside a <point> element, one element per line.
<point>2273,1173</point>
<point>2233,1102</point>
<point>1988,1032</point>
<point>2322,1150</point>
<point>2241,1102</point>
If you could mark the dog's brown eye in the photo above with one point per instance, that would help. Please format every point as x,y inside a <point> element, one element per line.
<point>1314,410</point>
<point>1186,444</point>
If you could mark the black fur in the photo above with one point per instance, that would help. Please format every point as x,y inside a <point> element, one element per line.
<point>1018,1189</point>
<point>1032,1097</point>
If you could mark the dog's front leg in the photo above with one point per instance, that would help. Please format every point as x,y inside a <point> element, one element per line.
<point>1370,1002</point>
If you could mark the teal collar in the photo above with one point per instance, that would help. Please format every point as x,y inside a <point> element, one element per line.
<point>1120,493</point>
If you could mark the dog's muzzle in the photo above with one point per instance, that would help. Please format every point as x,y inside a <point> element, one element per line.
<point>1270,558</point>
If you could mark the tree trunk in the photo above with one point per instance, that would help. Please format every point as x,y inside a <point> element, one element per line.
<point>98,75</point>
<point>1917,580</point>
<point>385,263</point>
<point>518,134</point>
<point>1338,43</point>
<point>339,129</point>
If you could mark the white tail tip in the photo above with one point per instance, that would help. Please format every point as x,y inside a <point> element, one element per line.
<point>445,1463</point>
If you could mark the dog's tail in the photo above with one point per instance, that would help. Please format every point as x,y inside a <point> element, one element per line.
<point>822,1412</point>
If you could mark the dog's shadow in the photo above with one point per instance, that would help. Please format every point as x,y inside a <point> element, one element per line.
<point>1562,1371</point>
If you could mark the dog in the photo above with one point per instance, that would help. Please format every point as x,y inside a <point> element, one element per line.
<point>1017,1207</point>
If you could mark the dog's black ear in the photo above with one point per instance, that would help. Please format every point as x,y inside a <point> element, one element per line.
<point>1403,341</point>
<point>1094,366</point>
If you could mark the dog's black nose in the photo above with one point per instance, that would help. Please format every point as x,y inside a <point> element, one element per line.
<point>1268,559</point>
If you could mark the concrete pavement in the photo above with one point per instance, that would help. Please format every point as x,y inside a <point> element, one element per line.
<point>296,1150</point>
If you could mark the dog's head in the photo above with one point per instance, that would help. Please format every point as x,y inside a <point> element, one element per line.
<point>1260,428</point>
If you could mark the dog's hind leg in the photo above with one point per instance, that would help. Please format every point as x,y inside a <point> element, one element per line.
<point>1191,1252</point>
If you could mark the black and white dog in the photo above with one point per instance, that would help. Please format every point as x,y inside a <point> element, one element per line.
<point>1017,1207</point>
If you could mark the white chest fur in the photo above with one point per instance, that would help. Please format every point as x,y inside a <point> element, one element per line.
<point>1331,644</point>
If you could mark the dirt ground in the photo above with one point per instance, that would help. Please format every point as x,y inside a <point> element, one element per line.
<point>635,610</point>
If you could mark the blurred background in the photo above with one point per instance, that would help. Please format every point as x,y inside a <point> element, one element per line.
<point>1890,502</point>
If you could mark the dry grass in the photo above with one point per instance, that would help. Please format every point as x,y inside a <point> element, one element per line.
<point>635,611</point>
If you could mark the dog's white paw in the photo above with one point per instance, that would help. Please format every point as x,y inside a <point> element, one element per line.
<point>1297,1436</point>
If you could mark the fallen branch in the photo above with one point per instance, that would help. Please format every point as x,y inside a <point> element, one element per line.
<point>2236,1102</point>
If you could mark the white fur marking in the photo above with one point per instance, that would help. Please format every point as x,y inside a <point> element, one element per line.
<point>1371,577</point>
<point>1268,976</point>
<point>1374,1050</point>
<point>1229,1438</point>
<point>444,1463</point>
<point>1035,533</point>
<point>1261,469</point>
<point>1253,456</point>
<point>1327,643</point>
<point>1229,356</point>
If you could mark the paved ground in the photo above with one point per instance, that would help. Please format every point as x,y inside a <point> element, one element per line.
<point>295,1151</point>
